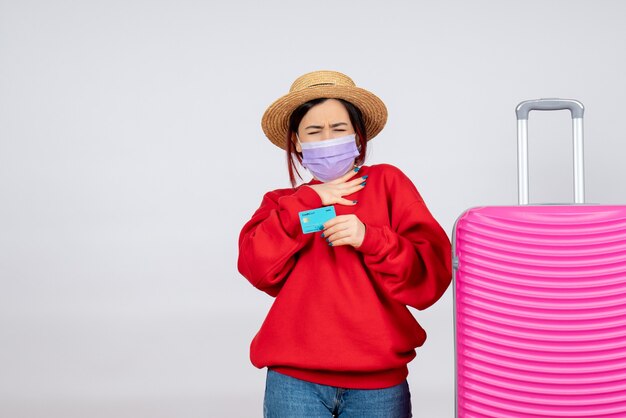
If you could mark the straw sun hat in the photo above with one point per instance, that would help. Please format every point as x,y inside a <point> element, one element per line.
<point>315,85</point>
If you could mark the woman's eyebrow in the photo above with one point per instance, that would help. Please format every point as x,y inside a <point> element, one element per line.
<point>334,125</point>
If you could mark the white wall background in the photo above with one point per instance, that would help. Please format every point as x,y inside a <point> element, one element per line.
<point>131,154</point>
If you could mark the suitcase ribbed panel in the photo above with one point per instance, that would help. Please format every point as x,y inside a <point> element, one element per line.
<point>540,299</point>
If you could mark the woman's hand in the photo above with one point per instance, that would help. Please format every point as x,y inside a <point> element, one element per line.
<point>334,191</point>
<point>344,230</point>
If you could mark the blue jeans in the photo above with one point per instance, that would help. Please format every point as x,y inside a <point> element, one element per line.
<point>288,397</point>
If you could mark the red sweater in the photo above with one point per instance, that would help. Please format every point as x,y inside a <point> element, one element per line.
<point>340,316</point>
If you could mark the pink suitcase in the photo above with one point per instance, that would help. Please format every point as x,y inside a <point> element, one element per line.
<point>540,301</point>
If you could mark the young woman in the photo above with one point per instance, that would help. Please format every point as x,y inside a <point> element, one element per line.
<point>339,335</point>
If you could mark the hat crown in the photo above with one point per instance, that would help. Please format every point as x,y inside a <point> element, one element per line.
<point>321,78</point>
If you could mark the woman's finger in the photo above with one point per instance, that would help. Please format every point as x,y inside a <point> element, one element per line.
<point>348,188</point>
<point>332,239</point>
<point>346,176</point>
<point>341,238</point>
<point>346,202</point>
<point>357,181</point>
<point>350,174</point>
<point>337,229</point>
<point>351,186</point>
<point>353,189</point>
<point>339,219</point>
<point>340,242</point>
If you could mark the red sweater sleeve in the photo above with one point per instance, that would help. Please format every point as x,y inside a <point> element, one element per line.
<point>271,238</point>
<point>412,258</point>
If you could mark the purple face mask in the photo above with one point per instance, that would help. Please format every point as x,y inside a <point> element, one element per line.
<point>331,158</point>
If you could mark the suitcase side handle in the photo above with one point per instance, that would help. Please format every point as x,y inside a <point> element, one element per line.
<point>577,111</point>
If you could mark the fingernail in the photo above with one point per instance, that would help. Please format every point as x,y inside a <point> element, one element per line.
<point>363,184</point>
<point>356,169</point>
<point>365,176</point>
<point>355,201</point>
<point>322,235</point>
<point>328,240</point>
<point>330,243</point>
<point>322,228</point>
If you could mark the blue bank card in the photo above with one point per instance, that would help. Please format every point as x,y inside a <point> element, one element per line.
<point>313,220</point>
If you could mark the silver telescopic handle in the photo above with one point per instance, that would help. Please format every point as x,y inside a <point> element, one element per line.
<point>577,110</point>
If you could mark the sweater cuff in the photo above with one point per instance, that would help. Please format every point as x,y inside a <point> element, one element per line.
<point>304,199</point>
<point>374,240</point>
<point>309,197</point>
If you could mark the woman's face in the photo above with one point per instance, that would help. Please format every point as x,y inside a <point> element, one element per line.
<point>326,120</point>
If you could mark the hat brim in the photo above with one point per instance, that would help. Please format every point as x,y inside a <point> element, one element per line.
<point>275,121</point>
